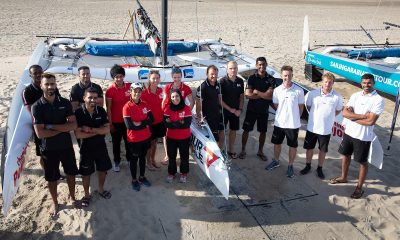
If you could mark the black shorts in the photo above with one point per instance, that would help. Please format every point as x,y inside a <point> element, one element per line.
<point>311,140</point>
<point>351,145</point>
<point>90,158</point>
<point>232,119</point>
<point>252,117</point>
<point>215,126</point>
<point>52,159</point>
<point>291,136</point>
<point>158,130</point>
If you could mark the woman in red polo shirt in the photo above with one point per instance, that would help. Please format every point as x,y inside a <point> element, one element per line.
<point>177,119</point>
<point>153,96</point>
<point>185,91</point>
<point>138,118</point>
<point>117,95</point>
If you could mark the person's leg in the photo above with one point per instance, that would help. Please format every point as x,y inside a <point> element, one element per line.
<point>321,158</point>
<point>102,179</point>
<point>277,151</point>
<point>53,192</point>
<point>143,149</point>
<point>165,161</point>
<point>151,154</point>
<point>346,159</point>
<point>309,155</point>
<point>71,186</point>
<point>221,141</point>
<point>172,152</point>
<point>126,143</point>
<point>86,185</point>
<point>261,142</point>
<point>245,137</point>
<point>232,139</point>
<point>116,137</point>
<point>183,146</point>
<point>362,174</point>
<point>292,155</point>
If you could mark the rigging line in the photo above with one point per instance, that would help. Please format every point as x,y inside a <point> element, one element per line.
<point>198,33</point>
<point>238,30</point>
<point>375,12</point>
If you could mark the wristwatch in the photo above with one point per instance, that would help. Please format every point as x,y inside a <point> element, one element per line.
<point>49,126</point>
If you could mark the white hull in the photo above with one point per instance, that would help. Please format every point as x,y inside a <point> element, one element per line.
<point>209,157</point>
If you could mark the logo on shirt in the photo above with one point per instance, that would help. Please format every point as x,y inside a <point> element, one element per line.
<point>188,73</point>
<point>144,110</point>
<point>61,108</point>
<point>182,114</point>
<point>143,74</point>
<point>98,118</point>
<point>238,85</point>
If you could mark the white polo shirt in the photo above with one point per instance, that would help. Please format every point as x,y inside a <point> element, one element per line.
<point>288,99</point>
<point>323,110</point>
<point>363,103</point>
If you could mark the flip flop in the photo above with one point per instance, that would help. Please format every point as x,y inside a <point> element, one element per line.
<point>262,157</point>
<point>358,192</point>
<point>232,155</point>
<point>105,194</point>
<point>242,155</point>
<point>336,180</point>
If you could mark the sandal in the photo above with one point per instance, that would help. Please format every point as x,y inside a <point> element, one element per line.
<point>262,157</point>
<point>242,155</point>
<point>232,155</point>
<point>337,180</point>
<point>105,194</point>
<point>85,201</point>
<point>358,192</point>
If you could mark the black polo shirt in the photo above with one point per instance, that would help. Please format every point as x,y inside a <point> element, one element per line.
<point>209,96</point>
<point>53,113</point>
<point>95,120</point>
<point>231,91</point>
<point>32,93</point>
<point>78,90</point>
<point>255,82</point>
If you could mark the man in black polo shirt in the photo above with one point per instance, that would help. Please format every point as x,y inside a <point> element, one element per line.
<point>78,90</point>
<point>208,102</point>
<point>232,89</point>
<point>93,125</point>
<point>259,91</point>
<point>53,120</point>
<point>31,94</point>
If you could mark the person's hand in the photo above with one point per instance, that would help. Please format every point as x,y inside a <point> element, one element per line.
<point>112,128</point>
<point>136,123</point>
<point>86,129</point>
<point>237,112</point>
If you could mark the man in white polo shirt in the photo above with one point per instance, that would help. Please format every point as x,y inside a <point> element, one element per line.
<point>323,105</point>
<point>288,99</point>
<point>361,113</point>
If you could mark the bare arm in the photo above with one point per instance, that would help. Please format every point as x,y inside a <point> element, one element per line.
<point>86,132</point>
<point>70,125</point>
<point>198,109</point>
<point>370,119</point>
<point>348,112</point>
<point>251,94</point>
<point>42,132</point>
<point>267,95</point>
<point>301,109</point>
<point>190,98</point>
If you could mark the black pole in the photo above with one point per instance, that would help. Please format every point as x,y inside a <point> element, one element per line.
<point>164,30</point>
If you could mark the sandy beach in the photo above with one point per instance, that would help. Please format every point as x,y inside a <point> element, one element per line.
<point>262,205</point>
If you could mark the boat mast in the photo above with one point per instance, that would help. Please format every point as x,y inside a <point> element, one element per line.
<point>164,33</point>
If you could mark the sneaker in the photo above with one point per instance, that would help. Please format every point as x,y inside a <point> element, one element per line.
<point>136,186</point>
<point>170,178</point>
<point>144,181</point>
<point>320,173</point>
<point>116,167</point>
<point>305,170</point>
<point>290,172</point>
<point>183,178</point>
<point>274,164</point>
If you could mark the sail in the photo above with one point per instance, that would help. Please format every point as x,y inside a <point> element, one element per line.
<point>146,29</point>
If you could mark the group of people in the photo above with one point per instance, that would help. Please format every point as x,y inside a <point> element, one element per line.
<point>141,115</point>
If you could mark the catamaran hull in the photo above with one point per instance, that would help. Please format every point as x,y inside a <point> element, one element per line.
<point>386,79</point>
<point>208,157</point>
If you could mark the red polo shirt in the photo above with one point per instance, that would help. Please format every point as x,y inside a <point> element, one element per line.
<point>175,116</point>
<point>184,89</point>
<point>138,113</point>
<point>118,96</point>
<point>154,101</point>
